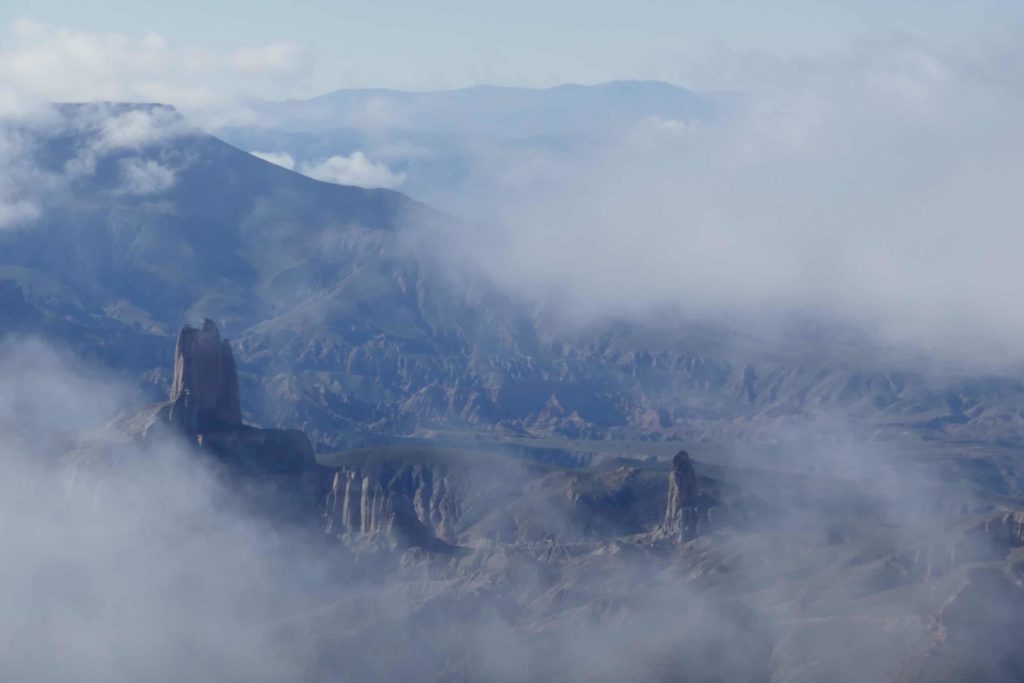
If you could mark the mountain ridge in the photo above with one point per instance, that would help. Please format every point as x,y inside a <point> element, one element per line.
<point>349,318</point>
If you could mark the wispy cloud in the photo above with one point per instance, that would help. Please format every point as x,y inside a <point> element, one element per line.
<point>282,159</point>
<point>878,185</point>
<point>354,169</point>
<point>58,63</point>
<point>145,176</point>
<point>28,185</point>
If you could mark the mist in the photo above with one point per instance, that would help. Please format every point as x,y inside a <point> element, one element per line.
<point>124,561</point>
<point>846,515</point>
<point>128,560</point>
<point>875,188</point>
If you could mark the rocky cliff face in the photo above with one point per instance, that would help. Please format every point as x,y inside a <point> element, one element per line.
<point>413,503</point>
<point>204,393</point>
<point>1005,528</point>
<point>275,470</point>
<point>681,511</point>
<point>429,496</point>
<point>688,511</point>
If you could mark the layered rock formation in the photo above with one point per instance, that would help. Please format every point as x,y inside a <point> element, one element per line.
<point>1005,528</point>
<point>429,496</point>
<point>413,503</point>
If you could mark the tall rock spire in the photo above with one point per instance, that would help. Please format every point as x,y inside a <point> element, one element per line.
<point>682,512</point>
<point>205,389</point>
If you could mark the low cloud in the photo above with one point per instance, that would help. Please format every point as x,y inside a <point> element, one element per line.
<point>140,561</point>
<point>137,128</point>
<point>105,130</point>
<point>354,169</point>
<point>29,183</point>
<point>145,176</point>
<point>282,159</point>
<point>136,561</point>
<point>22,183</point>
<point>878,186</point>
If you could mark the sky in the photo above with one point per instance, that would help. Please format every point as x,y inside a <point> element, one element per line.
<point>403,44</point>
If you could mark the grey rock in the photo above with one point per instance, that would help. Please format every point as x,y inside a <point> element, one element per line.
<point>204,394</point>
<point>683,512</point>
<point>415,504</point>
<point>274,470</point>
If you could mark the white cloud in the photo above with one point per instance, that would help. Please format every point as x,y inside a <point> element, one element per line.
<point>22,183</point>
<point>355,169</point>
<point>139,127</point>
<point>280,158</point>
<point>57,63</point>
<point>109,128</point>
<point>28,185</point>
<point>880,186</point>
<point>145,176</point>
<point>120,530</point>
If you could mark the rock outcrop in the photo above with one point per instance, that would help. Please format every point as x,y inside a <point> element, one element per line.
<point>205,394</point>
<point>687,511</point>
<point>415,504</point>
<point>275,470</point>
<point>1004,528</point>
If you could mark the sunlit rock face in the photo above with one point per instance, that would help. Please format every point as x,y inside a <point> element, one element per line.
<point>205,403</point>
<point>205,390</point>
<point>414,503</point>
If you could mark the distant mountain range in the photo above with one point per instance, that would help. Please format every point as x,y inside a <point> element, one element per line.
<point>442,143</point>
<point>346,320</point>
<point>500,112</point>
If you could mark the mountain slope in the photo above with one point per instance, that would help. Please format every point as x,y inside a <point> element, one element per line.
<point>341,302</point>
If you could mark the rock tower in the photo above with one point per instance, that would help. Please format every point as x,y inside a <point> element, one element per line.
<point>683,511</point>
<point>205,393</point>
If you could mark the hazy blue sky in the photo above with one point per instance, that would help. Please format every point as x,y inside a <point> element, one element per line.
<point>452,43</point>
